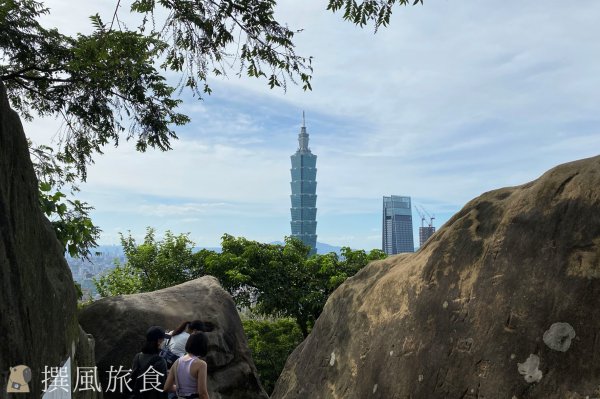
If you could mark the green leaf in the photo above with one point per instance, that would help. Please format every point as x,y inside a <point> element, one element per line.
<point>45,187</point>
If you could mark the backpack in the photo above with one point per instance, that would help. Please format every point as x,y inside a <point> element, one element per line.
<point>169,356</point>
<point>138,370</point>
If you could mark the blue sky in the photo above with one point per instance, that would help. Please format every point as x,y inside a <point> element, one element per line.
<point>454,99</point>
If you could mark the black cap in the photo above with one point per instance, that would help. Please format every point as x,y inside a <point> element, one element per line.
<point>155,333</point>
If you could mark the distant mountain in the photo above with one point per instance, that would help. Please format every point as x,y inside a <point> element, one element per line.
<point>214,249</point>
<point>117,250</point>
<point>323,248</point>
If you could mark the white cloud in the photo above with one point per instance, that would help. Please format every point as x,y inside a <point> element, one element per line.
<point>187,209</point>
<point>453,99</point>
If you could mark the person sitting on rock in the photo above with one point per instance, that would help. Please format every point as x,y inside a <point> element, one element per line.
<point>180,335</point>
<point>188,375</point>
<point>149,370</point>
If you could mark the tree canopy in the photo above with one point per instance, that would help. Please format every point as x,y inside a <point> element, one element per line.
<point>111,84</point>
<point>271,340</point>
<point>272,279</point>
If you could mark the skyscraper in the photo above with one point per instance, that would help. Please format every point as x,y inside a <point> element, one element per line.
<point>397,234</point>
<point>304,188</point>
<point>424,233</point>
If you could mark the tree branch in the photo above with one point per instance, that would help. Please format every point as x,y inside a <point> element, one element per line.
<point>19,73</point>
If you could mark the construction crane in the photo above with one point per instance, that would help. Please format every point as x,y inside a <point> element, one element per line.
<point>422,212</point>
<point>431,218</point>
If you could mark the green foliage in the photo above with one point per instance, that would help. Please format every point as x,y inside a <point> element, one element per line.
<point>70,218</point>
<point>82,301</point>
<point>151,265</point>
<point>361,13</point>
<point>122,280</point>
<point>281,279</point>
<point>101,84</point>
<point>78,290</point>
<point>272,279</point>
<point>271,341</point>
<point>111,83</point>
<point>200,35</point>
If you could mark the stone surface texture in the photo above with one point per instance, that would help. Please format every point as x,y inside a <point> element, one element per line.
<point>38,302</point>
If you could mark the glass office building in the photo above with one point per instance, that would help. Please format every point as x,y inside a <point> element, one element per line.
<point>304,188</point>
<point>397,234</point>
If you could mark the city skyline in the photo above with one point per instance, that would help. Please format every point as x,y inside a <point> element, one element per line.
<point>410,109</point>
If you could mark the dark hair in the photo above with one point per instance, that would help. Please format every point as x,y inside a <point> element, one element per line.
<point>198,325</point>
<point>153,335</point>
<point>197,344</point>
<point>180,329</point>
<point>151,347</point>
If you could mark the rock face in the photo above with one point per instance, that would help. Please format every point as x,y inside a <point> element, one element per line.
<point>119,324</point>
<point>37,296</point>
<point>502,302</point>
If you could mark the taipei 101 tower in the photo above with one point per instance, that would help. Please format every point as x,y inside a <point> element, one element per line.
<point>304,188</point>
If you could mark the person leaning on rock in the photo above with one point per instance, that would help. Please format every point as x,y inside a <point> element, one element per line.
<point>180,335</point>
<point>178,338</point>
<point>149,370</point>
<point>189,373</point>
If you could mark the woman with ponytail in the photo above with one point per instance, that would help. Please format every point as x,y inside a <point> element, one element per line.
<point>179,337</point>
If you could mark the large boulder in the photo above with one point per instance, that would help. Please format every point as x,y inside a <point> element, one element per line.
<point>38,301</point>
<point>119,324</point>
<point>502,302</point>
